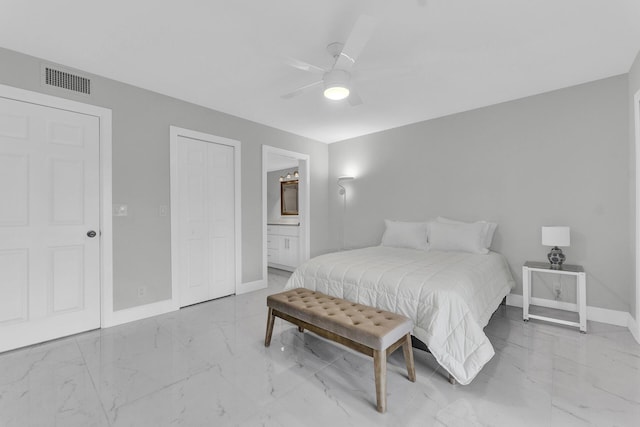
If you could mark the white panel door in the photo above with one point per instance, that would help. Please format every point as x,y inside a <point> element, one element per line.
<point>221,188</point>
<point>49,201</point>
<point>206,220</point>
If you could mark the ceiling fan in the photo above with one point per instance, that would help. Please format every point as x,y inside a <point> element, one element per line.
<point>337,79</point>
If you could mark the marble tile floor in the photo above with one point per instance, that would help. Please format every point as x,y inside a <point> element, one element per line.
<point>206,365</point>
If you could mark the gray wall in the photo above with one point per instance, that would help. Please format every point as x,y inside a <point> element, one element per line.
<point>557,158</point>
<point>561,157</point>
<point>141,121</point>
<point>634,86</point>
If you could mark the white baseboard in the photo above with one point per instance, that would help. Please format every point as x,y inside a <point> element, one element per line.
<point>282,267</point>
<point>141,312</point>
<point>161,307</point>
<point>634,328</point>
<point>612,317</point>
<point>597,314</point>
<point>243,288</point>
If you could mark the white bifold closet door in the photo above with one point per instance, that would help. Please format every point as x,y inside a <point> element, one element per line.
<point>49,212</point>
<point>206,220</point>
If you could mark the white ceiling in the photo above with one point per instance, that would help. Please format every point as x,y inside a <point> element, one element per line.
<point>426,58</point>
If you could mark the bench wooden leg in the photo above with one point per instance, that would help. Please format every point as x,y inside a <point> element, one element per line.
<point>380,370</point>
<point>270,321</point>
<point>300,329</point>
<point>408,358</point>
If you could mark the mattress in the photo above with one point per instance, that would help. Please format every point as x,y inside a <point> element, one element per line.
<point>450,296</point>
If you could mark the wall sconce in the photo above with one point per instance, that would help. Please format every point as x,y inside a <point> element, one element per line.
<point>343,192</point>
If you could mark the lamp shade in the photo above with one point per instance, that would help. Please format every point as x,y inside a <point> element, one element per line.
<point>556,236</point>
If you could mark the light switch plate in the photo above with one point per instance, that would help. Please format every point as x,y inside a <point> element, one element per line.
<point>119,210</point>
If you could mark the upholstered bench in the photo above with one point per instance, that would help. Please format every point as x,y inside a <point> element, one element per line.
<point>371,331</point>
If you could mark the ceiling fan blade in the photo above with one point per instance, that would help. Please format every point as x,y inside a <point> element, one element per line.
<point>300,90</point>
<point>354,99</point>
<point>304,66</point>
<point>356,42</point>
<point>389,72</point>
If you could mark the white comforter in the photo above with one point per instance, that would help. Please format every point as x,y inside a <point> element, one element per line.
<point>450,296</point>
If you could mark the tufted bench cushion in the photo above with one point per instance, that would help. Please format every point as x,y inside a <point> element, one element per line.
<point>375,328</point>
<point>368,330</point>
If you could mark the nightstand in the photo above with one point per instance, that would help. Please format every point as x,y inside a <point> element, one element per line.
<point>567,269</point>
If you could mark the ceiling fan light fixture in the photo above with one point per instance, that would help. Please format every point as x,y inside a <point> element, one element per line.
<point>336,93</point>
<point>336,84</point>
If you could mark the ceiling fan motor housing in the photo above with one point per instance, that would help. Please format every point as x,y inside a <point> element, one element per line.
<point>335,49</point>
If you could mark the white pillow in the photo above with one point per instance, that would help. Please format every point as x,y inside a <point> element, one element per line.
<point>411,235</point>
<point>490,229</point>
<point>458,237</point>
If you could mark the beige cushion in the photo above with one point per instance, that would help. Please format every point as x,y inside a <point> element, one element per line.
<point>372,327</point>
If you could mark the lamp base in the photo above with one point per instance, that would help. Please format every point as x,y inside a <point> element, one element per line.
<point>556,258</point>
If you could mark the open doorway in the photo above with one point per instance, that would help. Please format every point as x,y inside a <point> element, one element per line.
<point>286,236</point>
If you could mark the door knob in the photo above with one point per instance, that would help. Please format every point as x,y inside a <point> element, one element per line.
<point>91,233</point>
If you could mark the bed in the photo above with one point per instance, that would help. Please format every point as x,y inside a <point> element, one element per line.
<point>450,296</point>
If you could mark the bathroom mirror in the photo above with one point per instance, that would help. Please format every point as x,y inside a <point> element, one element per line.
<point>289,198</point>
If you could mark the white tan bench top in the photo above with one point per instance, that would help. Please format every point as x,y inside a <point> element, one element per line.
<point>372,327</point>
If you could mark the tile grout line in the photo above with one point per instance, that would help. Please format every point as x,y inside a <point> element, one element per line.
<point>93,383</point>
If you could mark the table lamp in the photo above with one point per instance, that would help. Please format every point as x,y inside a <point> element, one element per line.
<point>556,236</point>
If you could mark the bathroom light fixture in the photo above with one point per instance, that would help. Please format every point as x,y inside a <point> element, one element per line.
<point>556,236</point>
<point>290,176</point>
